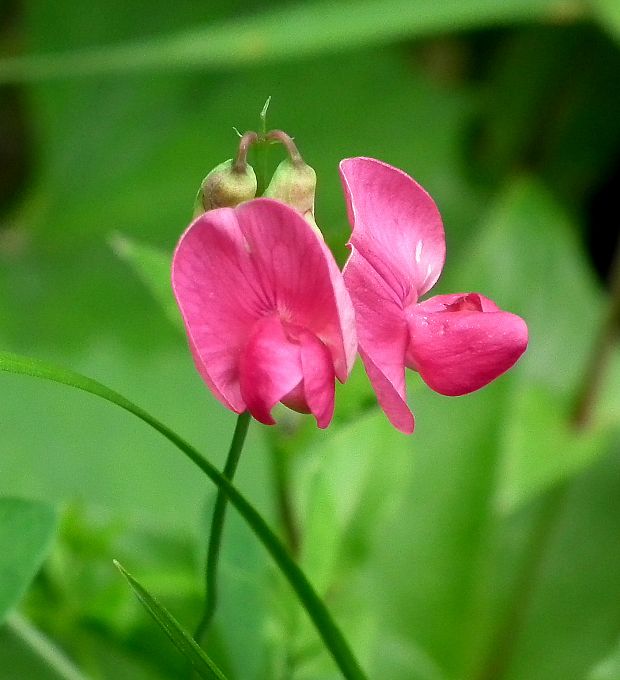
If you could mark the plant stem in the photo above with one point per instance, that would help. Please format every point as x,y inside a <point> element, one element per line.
<point>217,526</point>
<point>315,608</point>
<point>43,648</point>
<point>262,150</point>
<point>601,352</point>
<point>281,478</point>
<point>240,164</point>
<point>288,143</point>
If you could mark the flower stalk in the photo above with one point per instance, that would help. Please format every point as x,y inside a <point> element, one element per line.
<point>217,526</point>
<point>240,165</point>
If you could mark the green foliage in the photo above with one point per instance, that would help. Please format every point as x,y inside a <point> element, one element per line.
<point>609,668</point>
<point>609,12</point>
<point>286,33</point>
<point>26,653</point>
<point>485,546</point>
<point>181,639</point>
<point>153,268</point>
<point>26,531</point>
<point>308,598</point>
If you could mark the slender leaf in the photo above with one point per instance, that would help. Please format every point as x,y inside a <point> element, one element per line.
<point>314,606</point>
<point>152,267</point>
<point>28,653</point>
<point>286,33</point>
<point>26,531</point>
<point>180,637</point>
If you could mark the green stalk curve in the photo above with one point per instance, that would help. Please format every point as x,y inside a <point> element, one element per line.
<point>217,526</point>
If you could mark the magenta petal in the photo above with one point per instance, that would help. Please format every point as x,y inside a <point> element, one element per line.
<point>270,367</point>
<point>391,396</point>
<point>459,302</point>
<point>211,279</point>
<point>396,225</point>
<point>227,376</point>
<point>233,267</point>
<point>299,277</point>
<point>318,385</point>
<point>383,337</point>
<point>460,349</point>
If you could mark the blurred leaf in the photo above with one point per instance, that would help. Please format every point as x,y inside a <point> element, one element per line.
<point>152,266</point>
<point>244,604</point>
<point>607,410</point>
<point>291,32</point>
<point>572,614</point>
<point>341,484</point>
<point>181,639</point>
<point>348,488</point>
<point>26,653</point>
<point>427,558</point>
<point>609,14</point>
<point>609,668</point>
<point>542,447</point>
<point>26,532</point>
<point>395,527</point>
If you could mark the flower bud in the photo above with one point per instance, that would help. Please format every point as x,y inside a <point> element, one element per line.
<point>294,183</point>
<point>226,186</point>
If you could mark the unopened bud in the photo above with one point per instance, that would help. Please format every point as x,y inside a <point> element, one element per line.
<point>226,186</point>
<point>294,183</point>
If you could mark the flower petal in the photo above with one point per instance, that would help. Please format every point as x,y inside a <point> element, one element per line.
<point>233,267</point>
<point>214,286</point>
<point>318,383</point>
<point>396,225</point>
<point>383,337</point>
<point>269,368</point>
<point>460,343</point>
<point>304,282</point>
<point>391,395</point>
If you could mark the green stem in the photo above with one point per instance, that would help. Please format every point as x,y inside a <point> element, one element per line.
<point>281,478</point>
<point>43,648</point>
<point>262,150</point>
<point>602,351</point>
<point>312,603</point>
<point>217,526</point>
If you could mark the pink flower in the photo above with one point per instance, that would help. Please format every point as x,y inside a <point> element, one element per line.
<point>265,308</point>
<point>458,343</point>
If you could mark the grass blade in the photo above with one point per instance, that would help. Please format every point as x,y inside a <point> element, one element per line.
<point>181,639</point>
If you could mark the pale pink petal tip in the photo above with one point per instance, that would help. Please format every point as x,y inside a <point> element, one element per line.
<point>383,337</point>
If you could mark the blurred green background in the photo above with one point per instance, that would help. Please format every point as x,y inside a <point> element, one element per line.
<point>484,547</point>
